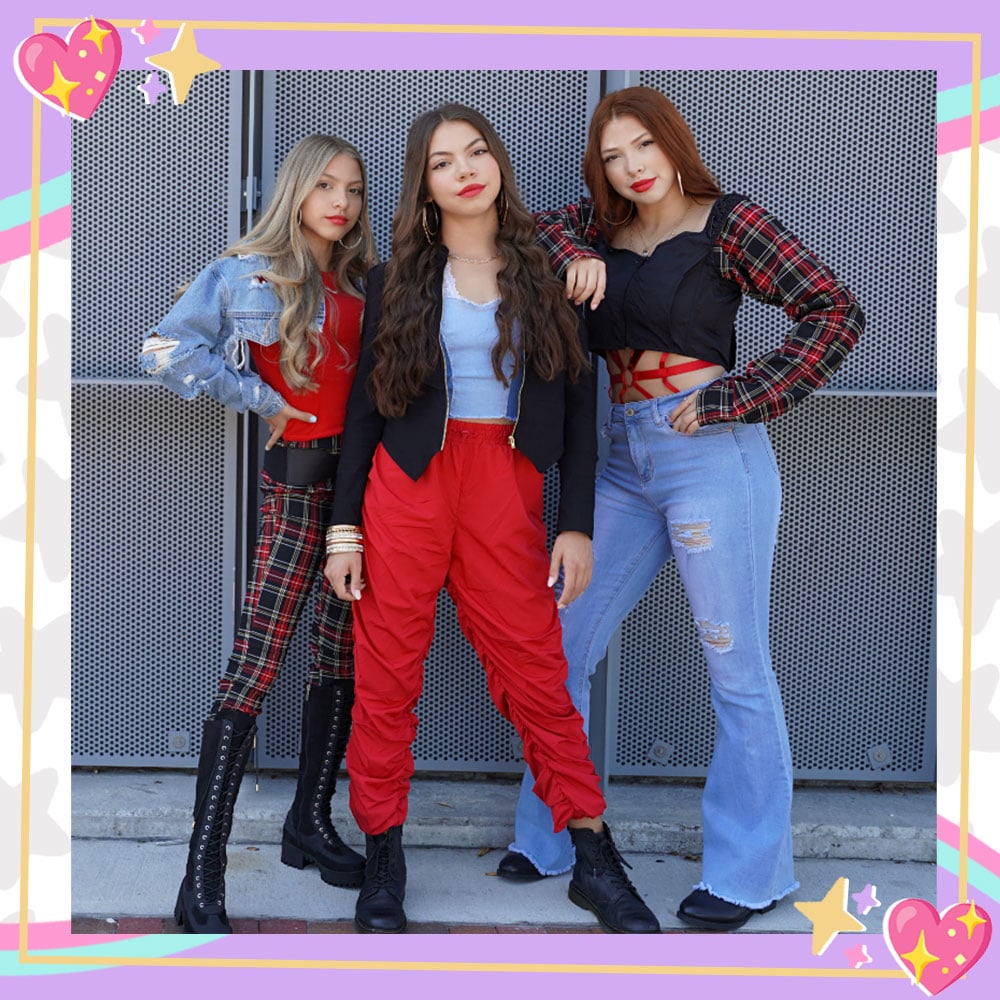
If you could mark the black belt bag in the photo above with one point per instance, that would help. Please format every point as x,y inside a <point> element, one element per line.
<point>302,463</point>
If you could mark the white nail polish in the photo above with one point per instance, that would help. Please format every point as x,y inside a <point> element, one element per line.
<point>312,419</point>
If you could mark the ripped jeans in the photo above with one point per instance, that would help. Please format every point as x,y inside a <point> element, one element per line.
<point>712,501</point>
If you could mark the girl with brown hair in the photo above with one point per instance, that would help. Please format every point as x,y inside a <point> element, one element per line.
<point>472,381</point>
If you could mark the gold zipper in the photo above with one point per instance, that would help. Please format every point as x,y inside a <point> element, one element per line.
<point>447,400</point>
<point>517,416</point>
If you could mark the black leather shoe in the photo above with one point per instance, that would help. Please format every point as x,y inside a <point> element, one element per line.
<point>599,884</point>
<point>379,909</point>
<point>517,868</point>
<point>702,909</point>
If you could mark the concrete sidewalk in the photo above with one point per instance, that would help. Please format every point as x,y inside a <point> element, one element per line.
<point>130,831</point>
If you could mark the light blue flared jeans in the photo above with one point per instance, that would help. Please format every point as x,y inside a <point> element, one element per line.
<point>712,501</point>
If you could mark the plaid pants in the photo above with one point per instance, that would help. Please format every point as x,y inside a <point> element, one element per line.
<point>289,554</point>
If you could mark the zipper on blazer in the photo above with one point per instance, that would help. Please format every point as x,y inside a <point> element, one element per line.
<point>447,399</point>
<point>517,415</point>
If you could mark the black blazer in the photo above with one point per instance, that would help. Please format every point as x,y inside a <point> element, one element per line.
<point>556,424</point>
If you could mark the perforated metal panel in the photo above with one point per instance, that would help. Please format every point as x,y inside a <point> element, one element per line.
<point>852,608</point>
<point>847,160</point>
<point>155,197</point>
<point>827,152</point>
<point>540,115</point>
<point>152,517</point>
<point>373,110</point>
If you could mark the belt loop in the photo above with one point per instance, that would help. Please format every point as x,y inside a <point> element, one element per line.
<point>654,405</point>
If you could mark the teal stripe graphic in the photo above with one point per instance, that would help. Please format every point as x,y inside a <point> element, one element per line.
<point>16,210</point>
<point>980,877</point>
<point>957,102</point>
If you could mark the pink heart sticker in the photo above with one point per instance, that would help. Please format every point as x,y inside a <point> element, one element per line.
<point>934,949</point>
<point>74,75</point>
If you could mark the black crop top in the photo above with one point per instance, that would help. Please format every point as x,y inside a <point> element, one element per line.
<point>673,300</point>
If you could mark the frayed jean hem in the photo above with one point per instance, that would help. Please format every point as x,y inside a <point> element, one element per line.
<point>743,902</point>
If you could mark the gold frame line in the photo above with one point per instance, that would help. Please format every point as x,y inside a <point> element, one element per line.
<point>26,957</point>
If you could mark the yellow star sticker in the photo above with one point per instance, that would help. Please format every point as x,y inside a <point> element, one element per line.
<point>919,958</point>
<point>182,63</point>
<point>971,919</point>
<point>61,88</point>
<point>96,35</point>
<point>829,916</point>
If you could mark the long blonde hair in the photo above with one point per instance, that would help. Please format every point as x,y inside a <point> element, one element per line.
<point>294,273</point>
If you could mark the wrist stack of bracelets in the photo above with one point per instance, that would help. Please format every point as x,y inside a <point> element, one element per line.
<point>344,538</point>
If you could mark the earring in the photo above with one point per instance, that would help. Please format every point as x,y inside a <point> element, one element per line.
<point>430,233</point>
<point>299,218</point>
<point>355,244</point>
<point>624,222</point>
<point>680,183</point>
<point>503,207</point>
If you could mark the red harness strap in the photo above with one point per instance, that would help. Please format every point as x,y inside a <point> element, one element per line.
<point>628,377</point>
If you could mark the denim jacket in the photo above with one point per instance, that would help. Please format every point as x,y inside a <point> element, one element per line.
<point>200,345</point>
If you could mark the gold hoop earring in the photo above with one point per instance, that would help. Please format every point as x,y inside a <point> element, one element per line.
<point>430,233</point>
<point>355,244</point>
<point>680,183</point>
<point>503,207</point>
<point>624,222</point>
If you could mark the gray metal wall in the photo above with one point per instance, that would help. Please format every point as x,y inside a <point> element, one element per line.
<point>846,159</point>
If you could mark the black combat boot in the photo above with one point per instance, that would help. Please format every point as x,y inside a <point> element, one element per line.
<point>599,884</point>
<point>226,742</point>
<point>380,902</point>
<point>308,834</point>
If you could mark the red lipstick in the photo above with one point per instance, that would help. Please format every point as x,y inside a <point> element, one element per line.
<point>471,190</point>
<point>644,185</point>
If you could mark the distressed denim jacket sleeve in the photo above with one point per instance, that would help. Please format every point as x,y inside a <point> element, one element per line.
<point>200,345</point>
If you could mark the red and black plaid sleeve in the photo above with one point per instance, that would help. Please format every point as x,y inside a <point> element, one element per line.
<point>567,234</point>
<point>770,264</point>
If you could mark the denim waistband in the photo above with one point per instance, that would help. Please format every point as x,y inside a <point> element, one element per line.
<point>657,409</point>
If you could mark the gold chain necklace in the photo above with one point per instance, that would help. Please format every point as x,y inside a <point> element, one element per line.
<point>644,247</point>
<point>473,260</point>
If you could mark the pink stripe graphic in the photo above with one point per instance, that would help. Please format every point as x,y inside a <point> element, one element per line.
<point>979,852</point>
<point>957,134</point>
<point>52,228</point>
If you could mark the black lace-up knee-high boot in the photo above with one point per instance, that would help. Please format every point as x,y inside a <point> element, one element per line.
<point>599,884</point>
<point>309,835</point>
<point>226,742</point>
<point>379,908</point>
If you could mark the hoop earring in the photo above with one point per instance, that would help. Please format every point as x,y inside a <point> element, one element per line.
<point>430,233</point>
<point>503,207</point>
<point>355,244</point>
<point>299,218</point>
<point>680,183</point>
<point>623,222</point>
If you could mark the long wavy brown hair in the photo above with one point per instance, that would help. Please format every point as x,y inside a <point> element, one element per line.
<point>406,346</point>
<point>672,134</point>
<point>293,273</point>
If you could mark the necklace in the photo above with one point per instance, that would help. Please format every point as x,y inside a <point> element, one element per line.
<point>473,260</point>
<point>646,247</point>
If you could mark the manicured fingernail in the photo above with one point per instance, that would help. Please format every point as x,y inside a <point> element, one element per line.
<point>312,419</point>
<point>552,580</point>
<point>357,595</point>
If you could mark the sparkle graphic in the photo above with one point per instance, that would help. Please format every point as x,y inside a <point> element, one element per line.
<point>182,63</point>
<point>858,956</point>
<point>145,31</point>
<point>97,36</point>
<point>61,88</point>
<point>919,958</point>
<point>829,916</point>
<point>971,919</point>
<point>865,900</point>
<point>152,88</point>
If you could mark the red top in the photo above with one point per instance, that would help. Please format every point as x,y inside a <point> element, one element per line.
<point>333,375</point>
